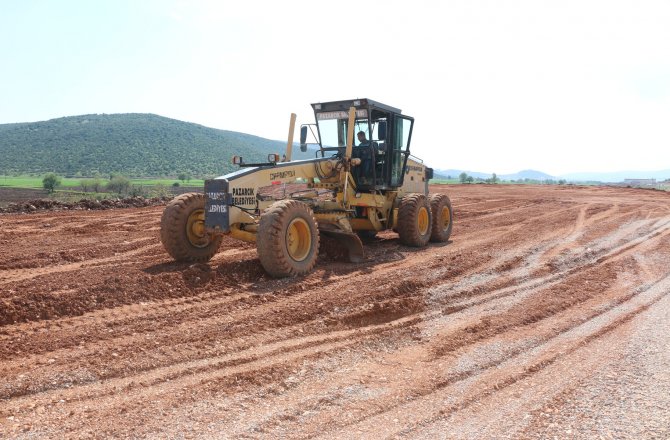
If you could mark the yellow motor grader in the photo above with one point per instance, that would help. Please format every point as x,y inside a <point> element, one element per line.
<point>362,181</point>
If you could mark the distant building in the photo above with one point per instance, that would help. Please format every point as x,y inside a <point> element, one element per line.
<point>640,182</point>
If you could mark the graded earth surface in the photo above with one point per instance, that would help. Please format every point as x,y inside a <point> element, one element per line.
<point>547,315</point>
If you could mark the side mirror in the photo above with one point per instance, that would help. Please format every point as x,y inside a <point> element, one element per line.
<point>381,130</point>
<point>237,160</point>
<point>303,138</point>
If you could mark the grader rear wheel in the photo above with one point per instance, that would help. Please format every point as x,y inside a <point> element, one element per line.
<point>183,229</point>
<point>443,217</point>
<point>288,239</point>
<point>414,220</point>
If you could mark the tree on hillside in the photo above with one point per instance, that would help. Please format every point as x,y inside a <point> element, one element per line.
<point>469,179</point>
<point>463,177</point>
<point>494,178</point>
<point>184,177</point>
<point>50,182</point>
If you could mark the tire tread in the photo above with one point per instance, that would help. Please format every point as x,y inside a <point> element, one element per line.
<point>271,244</point>
<point>437,202</point>
<point>173,230</point>
<point>408,213</point>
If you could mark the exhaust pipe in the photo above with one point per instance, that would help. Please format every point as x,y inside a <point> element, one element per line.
<point>289,144</point>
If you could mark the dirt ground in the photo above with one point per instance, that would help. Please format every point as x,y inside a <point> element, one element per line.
<point>546,316</point>
<point>14,195</point>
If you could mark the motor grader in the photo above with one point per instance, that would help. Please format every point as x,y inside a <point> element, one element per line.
<point>354,187</point>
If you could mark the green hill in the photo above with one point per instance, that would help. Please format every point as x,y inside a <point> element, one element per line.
<point>131,144</point>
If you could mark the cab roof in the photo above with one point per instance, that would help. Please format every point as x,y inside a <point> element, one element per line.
<point>359,103</point>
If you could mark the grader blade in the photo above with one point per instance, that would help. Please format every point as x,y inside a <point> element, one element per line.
<point>351,242</point>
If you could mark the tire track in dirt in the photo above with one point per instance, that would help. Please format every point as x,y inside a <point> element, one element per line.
<point>553,350</point>
<point>553,333</point>
<point>413,319</point>
<point>226,347</point>
<point>529,284</point>
<point>178,304</point>
<point>424,317</point>
<point>392,268</point>
<point>599,312</point>
<point>14,275</point>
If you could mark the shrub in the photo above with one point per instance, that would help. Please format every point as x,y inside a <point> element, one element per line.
<point>119,185</point>
<point>50,182</point>
<point>137,191</point>
<point>90,185</point>
<point>160,190</point>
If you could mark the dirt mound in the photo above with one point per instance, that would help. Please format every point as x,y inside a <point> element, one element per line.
<point>83,204</point>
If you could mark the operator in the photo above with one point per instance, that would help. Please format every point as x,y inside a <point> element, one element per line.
<point>364,142</point>
<point>364,153</point>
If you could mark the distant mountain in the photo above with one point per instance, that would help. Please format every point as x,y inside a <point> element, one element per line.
<point>133,144</point>
<point>605,177</point>
<point>617,176</point>
<point>528,174</point>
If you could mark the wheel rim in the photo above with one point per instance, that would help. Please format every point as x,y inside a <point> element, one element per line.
<point>195,229</point>
<point>423,220</point>
<point>298,239</point>
<point>446,218</point>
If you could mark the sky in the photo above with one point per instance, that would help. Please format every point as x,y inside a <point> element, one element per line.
<point>495,86</point>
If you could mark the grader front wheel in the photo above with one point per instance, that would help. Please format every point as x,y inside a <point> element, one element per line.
<point>414,220</point>
<point>183,229</point>
<point>288,239</point>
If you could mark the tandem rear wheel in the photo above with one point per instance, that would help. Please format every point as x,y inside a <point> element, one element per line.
<point>443,218</point>
<point>414,220</point>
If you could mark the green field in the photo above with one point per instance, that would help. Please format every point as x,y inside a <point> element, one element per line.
<point>32,182</point>
<point>71,182</point>
<point>444,181</point>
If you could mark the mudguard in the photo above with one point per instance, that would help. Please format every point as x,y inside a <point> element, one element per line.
<point>217,205</point>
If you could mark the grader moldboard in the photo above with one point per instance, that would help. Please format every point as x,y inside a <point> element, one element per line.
<point>349,190</point>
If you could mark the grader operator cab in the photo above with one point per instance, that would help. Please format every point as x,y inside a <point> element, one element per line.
<point>363,180</point>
